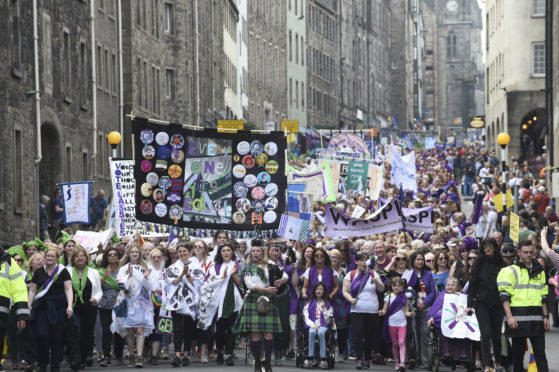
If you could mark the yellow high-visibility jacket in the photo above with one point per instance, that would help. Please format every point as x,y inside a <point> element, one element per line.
<point>12,287</point>
<point>525,289</point>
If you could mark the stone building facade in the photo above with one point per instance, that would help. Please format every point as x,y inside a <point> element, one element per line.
<point>267,86</point>
<point>323,59</point>
<point>364,49</point>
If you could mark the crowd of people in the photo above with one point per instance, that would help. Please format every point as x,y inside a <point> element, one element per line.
<point>278,292</point>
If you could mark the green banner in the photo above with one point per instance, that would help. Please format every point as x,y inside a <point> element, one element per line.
<point>357,175</point>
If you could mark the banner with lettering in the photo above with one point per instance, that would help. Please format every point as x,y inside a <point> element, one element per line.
<point>76,199</point>
<point>204,179</point>
<point>357,175</point>
<point>420,219</point>
<point>124,204</point>
<point>387,218</point>
<point>91,240</point>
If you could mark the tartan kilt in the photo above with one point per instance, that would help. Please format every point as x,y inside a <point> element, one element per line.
<point>250,320</point>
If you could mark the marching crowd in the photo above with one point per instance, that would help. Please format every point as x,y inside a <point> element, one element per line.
<point>381,296</point>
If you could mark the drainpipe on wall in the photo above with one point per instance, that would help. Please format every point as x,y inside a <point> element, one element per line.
<point>93,75</point>
<point>120,88</point>
<point>37,94</point>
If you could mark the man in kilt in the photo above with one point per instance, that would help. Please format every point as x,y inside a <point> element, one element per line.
<point>259,315</point>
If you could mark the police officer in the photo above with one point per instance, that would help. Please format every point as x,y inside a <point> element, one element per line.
<point>523,291</point>
<point>12,287</point>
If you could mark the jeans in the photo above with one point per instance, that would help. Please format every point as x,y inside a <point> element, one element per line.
<point>321,337</point>
<point>538,345</point>
<point>467,187</point>
<point>490,320</point>
<point>365,331</point>
<point>422,333</point>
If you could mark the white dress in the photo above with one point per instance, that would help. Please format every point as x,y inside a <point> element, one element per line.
<point>139,303</point>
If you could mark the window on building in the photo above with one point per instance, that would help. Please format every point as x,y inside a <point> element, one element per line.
<point>538,59</point>
<point>296,94</point>
<point>296,6</point>
<point>99,69</point>
<point>169,83</point>
<point>145,85</point>
<point>153,90</point>
<point>451,45</point>
<point>85,165</point>
<point>290,47</point>
<point>116,82</point>
<point>302,52</point>
<point>538,8</point>
<point>15,37</point>
<point>107,74</point>
<point>169,19</point>
<point>47,53</point>
<point>101,5</point>
<point>144,15</point>
<point>158,92</point>
<point>100,151</point>
<point>18,168</point>
<point>111,7</point>
<point>302,95</point>
<point>138,14</point>
<point>83,78</point>
<point>153,15</point>
<point>290,91</point>
<point>68,164</point>
<point>139,82</point>
<point>296,48</point>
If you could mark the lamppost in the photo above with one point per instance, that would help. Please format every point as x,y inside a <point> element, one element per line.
<point>114,140</point>
<point>503,140</point>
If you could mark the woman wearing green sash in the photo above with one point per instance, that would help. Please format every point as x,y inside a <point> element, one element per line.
<point>51,289</point>
<point>87,293</point>
<point>108,273</point>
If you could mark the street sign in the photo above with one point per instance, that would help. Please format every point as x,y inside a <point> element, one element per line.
<point>229,125</point>
<point>514,227</point>
<point>290,126</point>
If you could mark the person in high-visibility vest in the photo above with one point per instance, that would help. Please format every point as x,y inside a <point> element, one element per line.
<point>12,289</point>
<point>523,290</point>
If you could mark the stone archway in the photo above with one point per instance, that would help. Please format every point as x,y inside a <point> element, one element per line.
<point>50,168</point>
<point>533,132</point>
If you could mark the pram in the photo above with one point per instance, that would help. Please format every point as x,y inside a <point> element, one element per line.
<point>302,349</point>
<point>449,351</point>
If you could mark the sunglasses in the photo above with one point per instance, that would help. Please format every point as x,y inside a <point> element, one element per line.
<point>442,259</point>
<point>318,255</point>
<point>158,257</point>
<point>198,246</point>
<point>429,260</point>
<point>399,259</point>
<point>18,260</point>
<point>112,254</point>
<point>471,258</point>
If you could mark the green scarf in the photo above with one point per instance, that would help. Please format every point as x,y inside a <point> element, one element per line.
<point>78,285</point>
<point>110,281</point>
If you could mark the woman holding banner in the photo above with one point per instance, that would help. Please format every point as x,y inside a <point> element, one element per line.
<point>133,277</point>
<point>51,289</point>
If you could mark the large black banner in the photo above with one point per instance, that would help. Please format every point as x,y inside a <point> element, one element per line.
<point>206,179</point>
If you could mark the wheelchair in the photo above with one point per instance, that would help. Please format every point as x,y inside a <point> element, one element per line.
<point>302,349</point>
<point>440,344</point>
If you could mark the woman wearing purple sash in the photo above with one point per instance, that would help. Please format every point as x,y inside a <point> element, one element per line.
<point>320,271</point>
<point>340,305</point>
<point>360,289</point>
<point>348,254</point>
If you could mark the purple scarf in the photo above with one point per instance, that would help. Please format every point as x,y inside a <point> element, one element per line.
<point>312,312</point>
<point>393,308</point>
<point>327,278</point>
<point>357,281</point>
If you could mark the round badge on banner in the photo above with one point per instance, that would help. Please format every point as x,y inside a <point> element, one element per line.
<point>162,138</point>
<point>272,167</point>
<point>248,161</point>
<point>152,178</point>
<point>177,156</point>
<point>243,204</point>
<point>158,195</point>
<point>175,212</point>
<point>236,158</point>
<point>269,217</point>
<point>148,152</point>
<point>175,171</point>
<point>146,166</point>
<point>146,207</point>
<point>258,206</point>
<point>239,171</point>
<point>243,148</point>
<point>240,190</point>
<point>258,193</point>
<point>239,218</point>
<point>261,159</point>
<point>174,197</point>
<point>160,210</point>
<point>264,178</point>
<point>146,189</point>
<point>146,136</point>
<point>250,180</point>
<point>256,147</point>
<point>164,152</point>
<point>177,141</point>
<point>271,203</point>
<point>165,183</point>
<point>271,148</point>
<point>271,189</point>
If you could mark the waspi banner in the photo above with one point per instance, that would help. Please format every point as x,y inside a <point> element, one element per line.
<point>124,203</point>
<point>387,218</point>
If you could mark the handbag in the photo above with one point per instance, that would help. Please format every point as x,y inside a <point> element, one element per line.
<point>263,305</point>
